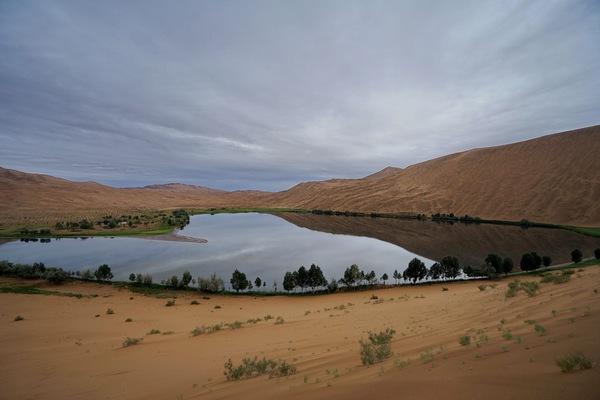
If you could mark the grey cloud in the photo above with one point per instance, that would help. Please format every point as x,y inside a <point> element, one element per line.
<point>262,94</point>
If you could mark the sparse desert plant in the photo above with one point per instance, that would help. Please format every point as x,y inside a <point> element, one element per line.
<point>464,340</point>
<point>128,320</point>
<point>482,287</point>
<point>512,289</point>
<point>217,307</point>
<point>574,362</point>
<point>252,367</point>
<point>398,363</point>
<point>200,330</point>
<point>194,302</point>
<point>153,332</point>
<point>131,341</point>
<point>109,311</point>
<point>531,288</point>
<point>170,303</point>
<point>268,317</point>
<point>167,333</point>
<point>235,325</point>
<point>539,329</point>
<point>426,356</point>
<point>377,348</point>
<point>18,318</point>
<point>507,335</point>
<point>279,321</point>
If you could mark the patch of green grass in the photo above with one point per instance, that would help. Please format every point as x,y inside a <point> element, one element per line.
<point>131,341</point>
<point>427,356</point>
<point>507,335</point>
<point>464,340</point>
<point>377,347</point>
<point>8,288</point>
<point>252,367</point>
<point>539,329</point>
<point>574,362</point>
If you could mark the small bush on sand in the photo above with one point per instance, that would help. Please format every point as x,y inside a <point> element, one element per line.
<point>206,329</point>
<point>128,320</point>
<point>531,288</point>
<point>235,325</point>
<point>377,348</point>
<point>482,287</point>
<point>131,341</point>
<point>574,362</point>
<point>251,367</point>
<point>464,340</point>
<point>194,302</point>
<point>563,277</point>
<point>153,332</point>
<point>170,303</point>
<point>279,321</point>
<point>507,335</point>
<point>109,311</point>
<point>18,318</point>
<point>539,329</point>
<point>268,317</point>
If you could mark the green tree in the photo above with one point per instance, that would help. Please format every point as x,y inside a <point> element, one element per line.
<point>576,256</point>
<point>186,279</point>
<point>507,265</point>
<point>416,270</point>
<point>530,261</point>
<point>450,266</point>
<point>494,261</point>
<point>238,281</point>
<point>315,277</point>
<point>258,282</point>
<point>103,273</point>
<point>132,277</point>
<point>174,281</point>
<point>289,281</point>
<point>435,271</point>
<point>384,278</point>
<point>351,275</point>
<point>546,260</point>
<point>302,278</point>
<point>597,253</point>
<point>396,276</point>
<point>371,277</point>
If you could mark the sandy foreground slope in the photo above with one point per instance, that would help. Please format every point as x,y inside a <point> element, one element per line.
<point>62,351</point>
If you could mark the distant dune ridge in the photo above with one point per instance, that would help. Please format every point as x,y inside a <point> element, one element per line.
<point>554,178</point>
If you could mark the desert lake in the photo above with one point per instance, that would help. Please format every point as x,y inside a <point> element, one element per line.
<point>267,245</point>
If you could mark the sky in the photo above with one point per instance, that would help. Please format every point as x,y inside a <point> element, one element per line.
<point>265,94</point>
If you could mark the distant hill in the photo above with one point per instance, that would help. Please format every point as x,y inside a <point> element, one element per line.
<point>554,178</point>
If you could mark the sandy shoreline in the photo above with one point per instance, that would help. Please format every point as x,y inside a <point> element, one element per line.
<point>62,350</point>
<point>174,236</point>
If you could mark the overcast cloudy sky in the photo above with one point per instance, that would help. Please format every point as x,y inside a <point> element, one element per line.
<point>263,94</point>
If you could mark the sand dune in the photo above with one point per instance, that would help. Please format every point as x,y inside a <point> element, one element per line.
<point>553,178</point>
<point>61,350</point>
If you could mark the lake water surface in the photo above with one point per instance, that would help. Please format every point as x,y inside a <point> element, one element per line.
<point>268,245</point>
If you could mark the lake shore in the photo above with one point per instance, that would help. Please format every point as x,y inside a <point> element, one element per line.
<point>68,347</point>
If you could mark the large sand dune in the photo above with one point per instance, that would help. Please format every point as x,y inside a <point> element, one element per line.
<point>62,351</point>
<point>553,179</point>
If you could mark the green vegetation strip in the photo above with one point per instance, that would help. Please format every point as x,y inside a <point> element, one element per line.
<point>6,288</point>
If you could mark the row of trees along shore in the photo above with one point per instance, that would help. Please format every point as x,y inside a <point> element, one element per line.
<point>304,278</point>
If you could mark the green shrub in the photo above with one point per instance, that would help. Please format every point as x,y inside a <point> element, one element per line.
<point>377,348</point>
<point>153,332</point>
<point>194,302</point>
<point>109,311</point>
<point>507,335</point>
<point>252,367</point>
<point>235,325</point>
<point>18,318</point>
<point>539,329</point>
<point>464,340</point>
<point>170,303</point>
<point>128,320</point>
<point>482,287</point>
<point>207,329</point>
<point>268,317</point>
<point>131,341</point>
<point>279,321</point>
<point>574,362</point>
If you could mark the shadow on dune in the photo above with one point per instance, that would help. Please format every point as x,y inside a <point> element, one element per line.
<point>471,243</point>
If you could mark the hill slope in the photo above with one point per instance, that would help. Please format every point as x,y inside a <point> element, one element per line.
<point>553,178</point>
